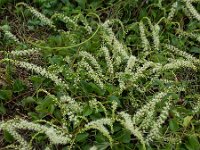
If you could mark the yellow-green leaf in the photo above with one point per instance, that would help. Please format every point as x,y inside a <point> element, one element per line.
<point>187,121</point>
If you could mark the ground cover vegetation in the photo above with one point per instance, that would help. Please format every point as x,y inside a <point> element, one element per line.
<point>98,75</point>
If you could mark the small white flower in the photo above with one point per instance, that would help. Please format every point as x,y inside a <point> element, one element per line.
<point>39,15</point>
<point>192,10</point>
<point>108,59</point>
<point>25,52</point>
<point>186,55</point>
<point>11,36</point>
<point>92,60</point>
<point>145,42</point>
<point>40,70</point>
<point>172,11</point>
<point>92,73</point>
<point>130,63</point>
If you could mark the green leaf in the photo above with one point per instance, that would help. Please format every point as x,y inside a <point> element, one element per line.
<point>96,89</point>
<point>57,114</point>
<point>187,121</point>
<point>81,3</point>
<point>81,137</point>
<point>193,143</point>
<point>92,88</point>
<point>100,138</point>
<point>123,136</point>
<point>40,137</point>
<point>28,100</point>
<point>34,115</point>
<point>2,109</point>
<point>195,50</point>
<point>18,86</point>
<point>117,127</point>
<point>56,59</point>
<point>46,105</point>
<point>5,27</point>
<point>103,146</point>
<point>37,81</point>
<point>5,94</point>
<point>86,87</point>
<point>119,147</point>
<point>8,137</point>
<point>173,125</point>
<point>113,98</point>
<point>51,109</point>
<point>87,111</point>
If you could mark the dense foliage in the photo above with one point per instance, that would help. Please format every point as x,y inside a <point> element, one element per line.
<point>92,74</point>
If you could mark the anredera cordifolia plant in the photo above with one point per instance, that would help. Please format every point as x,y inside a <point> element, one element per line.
<point>99,75</point>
